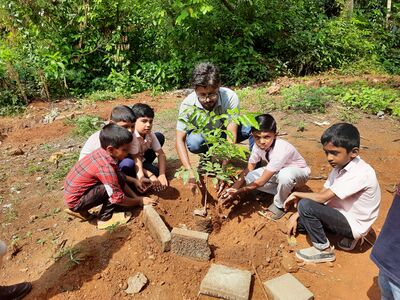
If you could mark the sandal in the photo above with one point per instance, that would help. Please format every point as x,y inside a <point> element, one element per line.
<point>117,218</point>
<point>348,244</point>
<point>277,212</point>
<point>83,215</point>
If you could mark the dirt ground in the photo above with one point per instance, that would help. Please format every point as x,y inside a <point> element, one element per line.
<point>97,263</point>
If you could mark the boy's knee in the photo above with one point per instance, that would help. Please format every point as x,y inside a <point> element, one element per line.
<point>127,163</point>
<point>304,206</point>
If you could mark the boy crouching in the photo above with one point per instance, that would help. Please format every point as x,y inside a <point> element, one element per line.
<point>96,179</point>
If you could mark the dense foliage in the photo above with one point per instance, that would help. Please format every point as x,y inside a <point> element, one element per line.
<point>56,48</point>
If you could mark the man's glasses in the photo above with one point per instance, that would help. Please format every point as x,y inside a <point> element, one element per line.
<point>211,96</point>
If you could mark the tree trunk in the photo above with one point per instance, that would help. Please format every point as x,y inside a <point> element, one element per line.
<point>348,8</point>
<point>388,12</point>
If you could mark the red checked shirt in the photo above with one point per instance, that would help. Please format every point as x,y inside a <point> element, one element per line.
<point>96,168</point>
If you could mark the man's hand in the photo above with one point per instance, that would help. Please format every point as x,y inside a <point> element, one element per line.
<point>193,186</point>
<point>291,199</point>
<point>229,194</point>
<point>292,224</point>
<point>219,187</point>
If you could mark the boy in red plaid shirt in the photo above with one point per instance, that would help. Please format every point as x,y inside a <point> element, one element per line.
<point>96,179</point>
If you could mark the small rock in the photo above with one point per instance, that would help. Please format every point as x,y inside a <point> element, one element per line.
<point>136,283</point>
<point>33,218</point>
<point>330,264</point>
<point>124,286</point>
<point>17,151</point>
<point>380,114</point>
<point>162,283</point>
<point>97,276</point>
<point>289,263</point>
<point>38,178</point>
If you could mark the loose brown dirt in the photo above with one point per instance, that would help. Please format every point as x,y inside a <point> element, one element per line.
<point>97,264</point>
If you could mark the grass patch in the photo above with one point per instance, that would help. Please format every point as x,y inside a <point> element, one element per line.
<point>305,99</point>
<point>86,125</point>
<point>103,96</point>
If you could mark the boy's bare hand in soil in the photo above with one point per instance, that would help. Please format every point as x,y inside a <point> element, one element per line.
<point>292,224</point>
<point>142,185</point>
<point>163,180</point>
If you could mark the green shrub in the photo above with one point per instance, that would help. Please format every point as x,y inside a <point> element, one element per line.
<point>86,125</point>
<point>372,100</point>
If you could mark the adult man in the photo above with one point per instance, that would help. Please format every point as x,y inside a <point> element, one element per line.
<point>207,95</point>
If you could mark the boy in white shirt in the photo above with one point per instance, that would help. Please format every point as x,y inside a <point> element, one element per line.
<point>348,204</point>
<point>149,147</point>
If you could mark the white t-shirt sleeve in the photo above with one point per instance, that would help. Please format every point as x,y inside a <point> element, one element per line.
<point>92,143</point>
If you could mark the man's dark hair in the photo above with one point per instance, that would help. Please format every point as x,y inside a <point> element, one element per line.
<point>115,136</point>
<point>122,113</point>
<point>142,110</point>
<point>206,75</point>
<point>343,135</point>
<point>266,122</point>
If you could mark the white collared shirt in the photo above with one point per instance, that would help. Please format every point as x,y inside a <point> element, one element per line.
<point>358,194</point>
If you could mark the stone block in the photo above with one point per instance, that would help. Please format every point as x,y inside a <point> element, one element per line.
<point>226,283</point>
<point>190,243</point>
<point>287,287</point>
<point>157,228</point>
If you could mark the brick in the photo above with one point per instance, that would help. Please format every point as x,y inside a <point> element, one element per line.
<point>158,230</point>
<point>190,243</point>
<point>287,287</point>
<point>226,283</point>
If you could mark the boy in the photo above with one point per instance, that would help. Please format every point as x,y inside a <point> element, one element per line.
<point>348,204</point>
<point>385,252</point>
<point>149,145</point>
<point>123,116</point>
<point>96,180</point>
<point>208,95</point>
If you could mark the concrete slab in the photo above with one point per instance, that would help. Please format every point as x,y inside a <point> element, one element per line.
<point>287,287</point>
<point>190,243</point>
<point>157,228</point>
<point>226,283</point>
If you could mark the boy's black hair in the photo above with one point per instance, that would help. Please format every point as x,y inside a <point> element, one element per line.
<point>122,113</point>
<point>206,75</point>
<point>142,110</point>
<point>266,123</point>
<point>115,136</point>
<point>343,135</point>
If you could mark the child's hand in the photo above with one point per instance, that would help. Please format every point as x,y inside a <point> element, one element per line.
<point>142,185</point>
<point>292,224</point>
<point>156,184</point>
<point>148,200</point>
<point>291,199</point>
<point>163,180</point>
